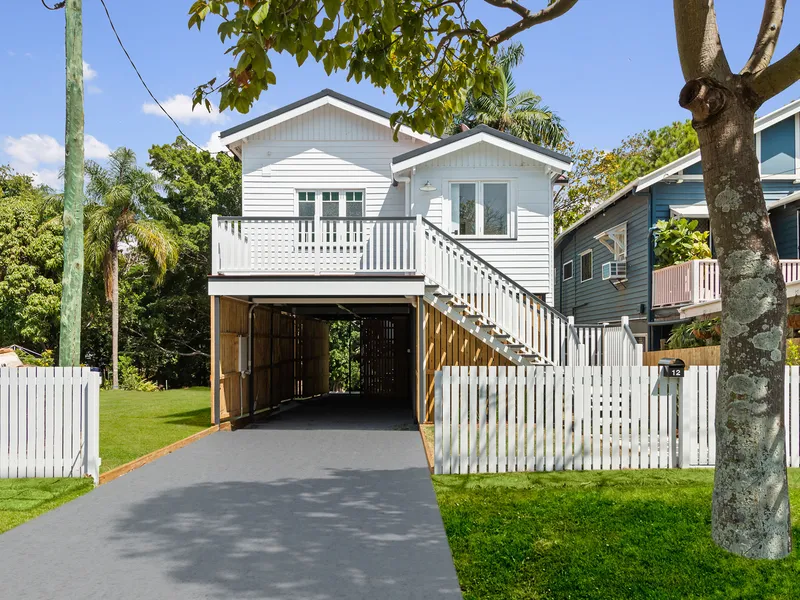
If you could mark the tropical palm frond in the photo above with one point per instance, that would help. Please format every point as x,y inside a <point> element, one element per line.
<point>157,242</point>
<point>511,55</point>
<point>100,225</point>
<point>521,114</point>
<point>121,162</point>
<point>99,181</point>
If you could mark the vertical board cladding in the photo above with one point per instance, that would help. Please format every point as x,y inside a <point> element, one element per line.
<point>326,148</point>
<point>784,227</point>
<point>526,255</point>
<point>778,148</point>
<point>289,359</point>
<point>449,344</point>
<point>595,300</point>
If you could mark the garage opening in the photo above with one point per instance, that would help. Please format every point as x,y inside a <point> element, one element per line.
<point>336,359</point>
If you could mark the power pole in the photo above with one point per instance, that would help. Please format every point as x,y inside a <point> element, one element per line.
<point>69,348</point>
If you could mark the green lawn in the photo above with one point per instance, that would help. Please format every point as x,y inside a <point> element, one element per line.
<point>24,499</point>
<point>133,424</point>
<point>626,535</point>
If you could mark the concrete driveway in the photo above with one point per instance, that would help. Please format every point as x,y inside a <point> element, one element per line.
<point>324,501</point>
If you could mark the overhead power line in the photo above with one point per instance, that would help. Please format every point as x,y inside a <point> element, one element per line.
<point>130,60</point>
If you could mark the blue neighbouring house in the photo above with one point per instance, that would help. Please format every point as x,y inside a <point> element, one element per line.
<point>604,263</point>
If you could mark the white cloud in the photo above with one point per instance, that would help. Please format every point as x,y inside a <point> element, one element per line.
<point>180,108</point>
<point>88,72</point>
<point>94,148</point>
<point>28,151</point>
<point>93,89</point>
<point>12,53</point>
<point>214,144</point>
<point>48,177</point>
<point>43,155</point>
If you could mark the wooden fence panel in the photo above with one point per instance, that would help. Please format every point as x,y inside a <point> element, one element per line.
<point>49,422</point>
<point>498,419</point>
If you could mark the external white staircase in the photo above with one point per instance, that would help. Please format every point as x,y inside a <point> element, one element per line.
<point>491,306</point>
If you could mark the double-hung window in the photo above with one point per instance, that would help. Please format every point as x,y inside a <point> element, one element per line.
<point>481,208</point>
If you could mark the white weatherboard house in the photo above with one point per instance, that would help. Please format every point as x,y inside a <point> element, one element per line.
<point>341,221</point>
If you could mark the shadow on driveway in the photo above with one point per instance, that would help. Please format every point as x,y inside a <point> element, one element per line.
<point>354,534</point>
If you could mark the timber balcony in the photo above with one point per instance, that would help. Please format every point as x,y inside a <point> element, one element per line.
<point>316,246</point>
<point>697,281</point>
<point>448,276</point>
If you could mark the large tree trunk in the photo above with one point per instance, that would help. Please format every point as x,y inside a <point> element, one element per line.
<point>115,318</point>
<point>69,339</point>
<point>750,513</point>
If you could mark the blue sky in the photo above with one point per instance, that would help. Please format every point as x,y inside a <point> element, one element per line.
<point>609,68</point>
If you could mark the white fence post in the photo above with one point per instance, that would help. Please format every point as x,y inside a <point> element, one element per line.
<point>438,421</point>
<point>687,416</point>
<point>92,434</point>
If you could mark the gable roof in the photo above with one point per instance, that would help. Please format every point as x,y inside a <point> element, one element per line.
<point>692,158</point>
<point>481,133</point>
<point>645,181</point>
<point>309,103</point>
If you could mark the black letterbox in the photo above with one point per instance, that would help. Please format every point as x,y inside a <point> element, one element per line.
<point>671,367</point>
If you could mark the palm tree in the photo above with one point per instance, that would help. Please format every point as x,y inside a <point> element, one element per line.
<point>125,211</point>
<point>522,114</point>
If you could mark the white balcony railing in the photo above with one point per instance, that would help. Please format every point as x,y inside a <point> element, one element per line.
<point>295,245</point>
<point>408,246</point>
<point>697,281</point>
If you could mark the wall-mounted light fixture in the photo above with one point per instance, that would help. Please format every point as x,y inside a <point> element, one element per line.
<point>428,187</point>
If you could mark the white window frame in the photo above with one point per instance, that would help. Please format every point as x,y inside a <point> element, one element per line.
<point>511,208</point>
<point>571,272</point>
<point>591,271</point>
<point>342,200</point>
<point>609,238</point>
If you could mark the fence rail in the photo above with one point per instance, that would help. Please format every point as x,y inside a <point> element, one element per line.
<point>544,418</point>
<point>49,422</point>
<point>697,281</point>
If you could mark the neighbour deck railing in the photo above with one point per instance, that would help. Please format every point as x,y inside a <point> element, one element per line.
<point>317,245</point>
<point>697,281</point>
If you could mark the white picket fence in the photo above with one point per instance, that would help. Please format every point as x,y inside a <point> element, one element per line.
<point>49,422</point>
<point>544,418</point>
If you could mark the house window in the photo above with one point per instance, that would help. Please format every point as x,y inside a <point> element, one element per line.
<point>306,204</point>
<point>463,203</point>
<point>566,270</point>
<point>481,208</point>
<point>354,204</point>
<point>586,266</point>
<point>330,203</point>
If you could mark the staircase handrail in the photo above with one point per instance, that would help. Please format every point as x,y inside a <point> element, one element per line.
<point>488,266</point>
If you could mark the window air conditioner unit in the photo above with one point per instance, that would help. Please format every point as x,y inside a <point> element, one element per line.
<point>615,270</point>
